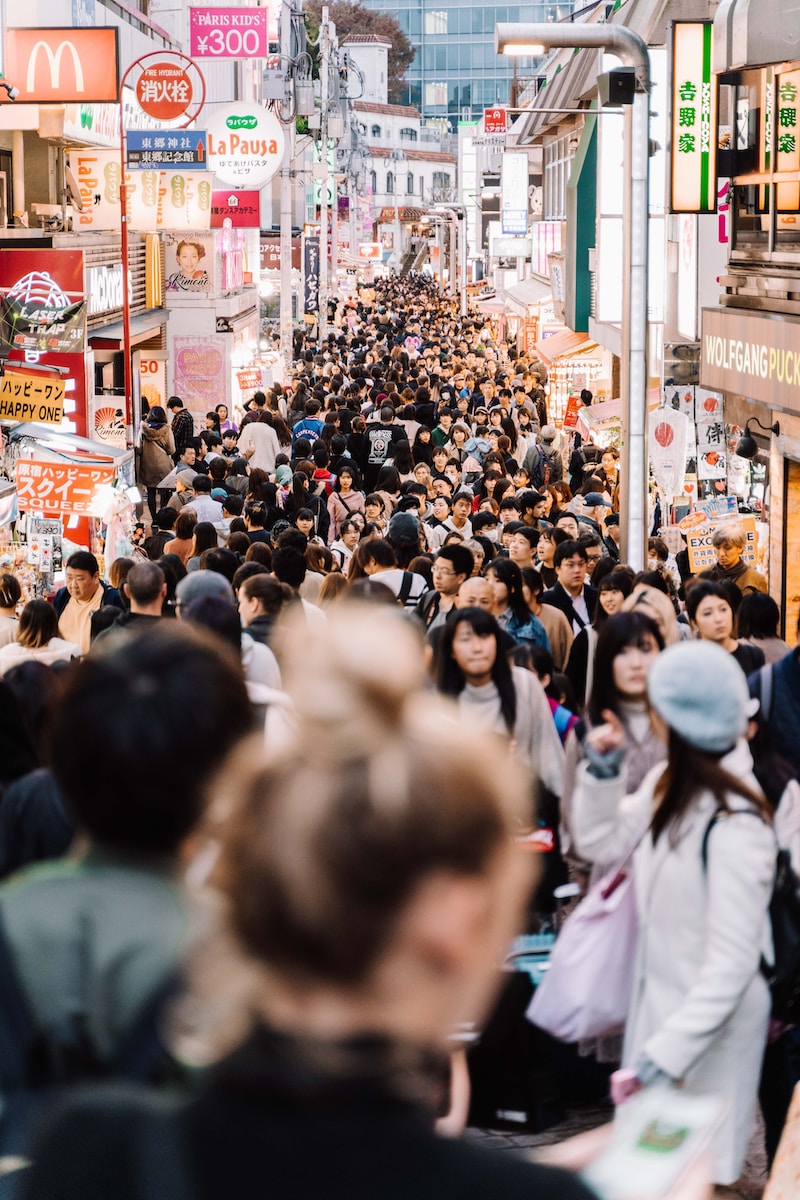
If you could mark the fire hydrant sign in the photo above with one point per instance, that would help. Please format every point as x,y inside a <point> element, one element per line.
<point>63,487</point>
<point>31,398</point>
<point>229,32</point>
<point>245,145</point>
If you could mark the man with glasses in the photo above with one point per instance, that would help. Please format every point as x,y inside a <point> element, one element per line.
<point>452,567</point>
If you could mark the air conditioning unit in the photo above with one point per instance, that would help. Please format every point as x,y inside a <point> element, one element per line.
<point>52,216</point>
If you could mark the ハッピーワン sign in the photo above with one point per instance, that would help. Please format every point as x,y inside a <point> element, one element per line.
<point>245,145</point>
<point>31,398</point>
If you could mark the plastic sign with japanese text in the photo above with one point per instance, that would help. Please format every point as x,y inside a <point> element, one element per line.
<point>38,398</point>
<point>79,488</point>
<point>694,119</point>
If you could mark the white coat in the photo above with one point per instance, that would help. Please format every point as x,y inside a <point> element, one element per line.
<point>700,1006</point>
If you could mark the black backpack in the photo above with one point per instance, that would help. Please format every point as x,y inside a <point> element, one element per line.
<point>783,977</point>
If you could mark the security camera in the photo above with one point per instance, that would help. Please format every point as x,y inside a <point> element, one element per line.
<point>13,92</point>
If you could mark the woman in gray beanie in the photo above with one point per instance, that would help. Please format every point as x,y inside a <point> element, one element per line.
<point>703,867</point>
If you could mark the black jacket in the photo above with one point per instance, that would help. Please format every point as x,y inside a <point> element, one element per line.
<point>262,1126</point>
<point>558,597</point>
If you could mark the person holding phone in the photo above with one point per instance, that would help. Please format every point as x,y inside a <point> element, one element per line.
<point>704,862</point>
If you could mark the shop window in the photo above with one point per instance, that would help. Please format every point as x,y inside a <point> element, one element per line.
<point>408,135</point>
<point>410,184</point>
<point>376,131</point>
<point>389,183</point>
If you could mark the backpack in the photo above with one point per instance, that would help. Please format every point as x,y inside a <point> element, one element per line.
<point>783,977</point>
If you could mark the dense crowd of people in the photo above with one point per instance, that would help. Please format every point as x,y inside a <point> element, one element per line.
<point>264,784</point>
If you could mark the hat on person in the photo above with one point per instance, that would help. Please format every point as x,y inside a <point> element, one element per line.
<point>595,500</point>
<point>403,529</point>
<point>284,475</point>
<point>612,519</point>
<point>549,434</point>
<point>218,493</point>
<point>203,583</point>
<point>701,692</point>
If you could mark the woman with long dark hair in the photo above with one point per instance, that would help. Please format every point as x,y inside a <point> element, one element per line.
<point>627,648</point>
<point>510,608</point>
<point>472,668</point>
<point>301,497</point>
<point>704,860</point>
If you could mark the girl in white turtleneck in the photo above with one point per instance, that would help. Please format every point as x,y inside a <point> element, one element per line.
<point>627,646</point>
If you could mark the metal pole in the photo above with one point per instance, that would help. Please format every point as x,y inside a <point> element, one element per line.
<point>632,50</point>
<point>325,48</point>
<point>463,247</point>
<point>453,233</point>
<point>335,236</point>
<point>286,200</point>
<point>126,305</point>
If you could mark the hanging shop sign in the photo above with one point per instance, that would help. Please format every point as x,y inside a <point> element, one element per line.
<point>370,250</point>
<point>668,432</point>
<point>200,370</point>
<point>80,489</point>
<point>694,120</point>
<point>240,209</point>
<point>107,421</point>
<point>63,66</point>
<point>270,253</point>
<point>169,200</point>
<point>494,120</point>
<point>231,32</point>
<point>189,264</point>
<point>25,397</point>
<point>245,145</point>
<point>752,354</point>
<point>41,300</point>
<point>175,148</point>
<point>514,193</point>
<point>787,139</point>
<point>311,276</point>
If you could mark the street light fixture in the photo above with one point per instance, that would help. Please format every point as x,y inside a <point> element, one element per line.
<point>632,50</point>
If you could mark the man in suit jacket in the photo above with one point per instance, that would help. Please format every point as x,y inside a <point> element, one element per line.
<point>572,594</point>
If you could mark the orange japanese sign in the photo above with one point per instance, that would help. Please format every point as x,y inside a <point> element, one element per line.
<point>63,66</point>
<point>63,487</point>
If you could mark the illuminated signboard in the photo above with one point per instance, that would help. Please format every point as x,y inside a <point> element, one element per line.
<point>694,120</point>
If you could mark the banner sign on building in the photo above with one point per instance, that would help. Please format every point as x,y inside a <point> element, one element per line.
<point>42,306</point>
<point>28,397</point>
<point>752,354</point>
<point>694,119</point>
<point>494,120</point>
<point>514,193</point>
<point>240,209</point>
<point>63,66</point>
<point>311,276</point>
<point>231,32</point>
<point>81,488</point>
<point>172,148</point>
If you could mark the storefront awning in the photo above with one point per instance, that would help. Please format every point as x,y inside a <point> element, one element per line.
<point>527,294</point>
<point>491,308</point>
<point>404,214</point>
<point>143,326</point>
<point>754,33</point>
<point>561,344</point>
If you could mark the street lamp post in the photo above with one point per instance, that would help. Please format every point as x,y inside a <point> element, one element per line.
<point>395,159</point>
<point>531,40</point>
<point>457,216</point>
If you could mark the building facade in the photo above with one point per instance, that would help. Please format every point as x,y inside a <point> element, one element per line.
<point>456,73</point>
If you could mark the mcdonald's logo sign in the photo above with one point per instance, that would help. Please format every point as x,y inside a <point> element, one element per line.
<point>63,66</point>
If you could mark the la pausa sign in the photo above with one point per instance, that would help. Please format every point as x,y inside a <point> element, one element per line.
<point>245,145</point>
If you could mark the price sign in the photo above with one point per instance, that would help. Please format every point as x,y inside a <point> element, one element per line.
<point>229,32</point>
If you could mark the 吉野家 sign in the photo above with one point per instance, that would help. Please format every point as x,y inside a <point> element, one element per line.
<point>694,119</point>
<point>245,145</point>
<point>63,66</point>
<point>31,398</point>
<point>514,193</point>
<point>229,32</point>
<point>63,487</point>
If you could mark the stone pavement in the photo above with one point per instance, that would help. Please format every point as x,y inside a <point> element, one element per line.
<point>584,1117</point>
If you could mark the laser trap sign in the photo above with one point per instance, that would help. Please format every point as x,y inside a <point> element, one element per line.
<point>31,398</point>
<point>245,145</point>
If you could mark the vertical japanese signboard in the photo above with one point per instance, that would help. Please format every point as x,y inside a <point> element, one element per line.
<point>694,120</point>
<point>787,139</point>
<point>311,275</point>
<point>514,193</point>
